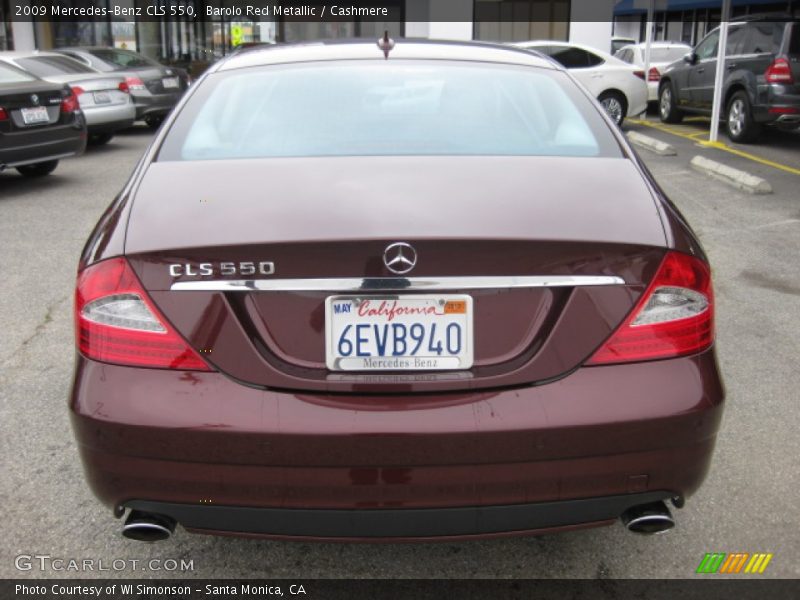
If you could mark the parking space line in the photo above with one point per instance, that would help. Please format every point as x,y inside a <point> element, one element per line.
<point>716,145</point>
<point>725,148</point>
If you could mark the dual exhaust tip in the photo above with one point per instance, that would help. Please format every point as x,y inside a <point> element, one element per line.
<point>148,527</point>
<point>646,519</point>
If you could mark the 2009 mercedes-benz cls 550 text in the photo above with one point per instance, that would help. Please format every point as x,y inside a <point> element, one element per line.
<point>397,291</point>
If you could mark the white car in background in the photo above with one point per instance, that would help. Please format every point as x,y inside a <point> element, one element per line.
<point>618,86</point>
<point>662,54</point>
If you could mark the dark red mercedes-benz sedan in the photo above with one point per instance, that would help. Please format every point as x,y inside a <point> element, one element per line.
<point>406,291</point>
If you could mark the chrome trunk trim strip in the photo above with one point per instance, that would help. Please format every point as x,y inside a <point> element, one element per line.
<point>394,284</point>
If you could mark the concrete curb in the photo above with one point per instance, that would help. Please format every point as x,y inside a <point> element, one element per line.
<point>652,144</point>
<point>738,179</point>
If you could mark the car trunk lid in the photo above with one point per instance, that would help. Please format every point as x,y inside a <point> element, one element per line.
<point>202,251</point>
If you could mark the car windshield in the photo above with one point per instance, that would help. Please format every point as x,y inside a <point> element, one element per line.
<point>380,109</point>
<point>670,54</point>
<point>46,66</point>
<point>9,74</point>
<point>123,59</point>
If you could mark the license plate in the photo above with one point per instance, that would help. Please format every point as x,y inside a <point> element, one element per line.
<point>30,116</point>
<point>102,98</point>
<point>170,82</point>
<point>398,333</point>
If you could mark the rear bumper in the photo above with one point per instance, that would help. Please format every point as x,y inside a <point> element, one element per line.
<point>221,456</point>
<point>392,524</point>
<point>101,119</point>
<point>30,147</point>
<point>148,104</point>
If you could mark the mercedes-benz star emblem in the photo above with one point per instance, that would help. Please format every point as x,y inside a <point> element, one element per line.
<point>399,257</point>
<point>35,99</point>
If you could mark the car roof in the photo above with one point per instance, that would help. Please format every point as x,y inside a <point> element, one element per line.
<point>659,44</point>
<point>362,49</point>
<point>533,44</point>
<point>28,54</point>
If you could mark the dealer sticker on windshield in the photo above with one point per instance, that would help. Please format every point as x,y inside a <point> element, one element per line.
<point>398,333</point>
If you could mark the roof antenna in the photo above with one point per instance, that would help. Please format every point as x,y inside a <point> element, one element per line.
<point>386,44</point>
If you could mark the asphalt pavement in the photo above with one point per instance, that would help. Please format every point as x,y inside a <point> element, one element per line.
<point>747,504</point>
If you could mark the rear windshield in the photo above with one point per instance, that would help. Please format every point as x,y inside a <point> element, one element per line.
<point>668,54</point>
<point>9,74</point>
<point>123,59</point>
<point>366,108</point>
<point>46,66</point>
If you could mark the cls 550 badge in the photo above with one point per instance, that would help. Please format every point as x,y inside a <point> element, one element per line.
<point>246,268</point>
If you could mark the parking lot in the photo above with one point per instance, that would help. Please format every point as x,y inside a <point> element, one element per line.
<point>748,503</point>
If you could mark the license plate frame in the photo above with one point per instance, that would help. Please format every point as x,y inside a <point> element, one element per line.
<point>37,115</point>
<point>380,314</point>
<point>102,97</point>
<point>171,83</point>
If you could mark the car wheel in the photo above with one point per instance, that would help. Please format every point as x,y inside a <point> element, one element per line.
<point>100,138</point>
<point>667,106</point>
<point>741,126</point>
<point>154,122</point>
<point>39,169</point>
<point>615,105</point>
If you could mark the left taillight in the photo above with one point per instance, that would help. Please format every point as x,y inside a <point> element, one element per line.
<point>3,114</point>
<point>639,74</point>
<point>674,317</point>
<point>116,322</point>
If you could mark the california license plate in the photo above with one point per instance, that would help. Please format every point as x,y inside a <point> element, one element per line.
<point>398,333</point>
<point>170,82</point>
<point>31,116</point>
<point>102,98</point>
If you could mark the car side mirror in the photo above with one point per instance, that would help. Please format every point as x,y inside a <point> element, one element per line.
<point>690,58</point>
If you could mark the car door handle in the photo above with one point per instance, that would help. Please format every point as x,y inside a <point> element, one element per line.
<point>701,70</point>
<point>731,67</point>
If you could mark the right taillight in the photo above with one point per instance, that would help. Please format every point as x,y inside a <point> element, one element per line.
<point>134,83</point>
<point>779,72</point>
<point>69,102</point>
<point>674,317</point>
<point>3,114</point>
<point>116,322</point>
<point>653,74</point>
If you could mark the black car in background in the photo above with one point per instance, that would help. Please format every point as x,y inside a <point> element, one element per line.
<point>40,123</point>
<point>155,88</point>
<point>761,84</point>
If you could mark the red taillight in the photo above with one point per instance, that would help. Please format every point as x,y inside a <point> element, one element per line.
<point>78,90</point>
<point>674,317</point>
<point>653,74</point>
<point>639,74</point>
<point>779,72</point>
<point>134,83</point>
<point>3,114</point>
<point>783,110</point>
<point>69,104</point>
<point>123,87</point>
<point>116,322</point>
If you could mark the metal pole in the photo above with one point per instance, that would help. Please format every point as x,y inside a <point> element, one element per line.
<point>720,74</point>
<point>648,38</point>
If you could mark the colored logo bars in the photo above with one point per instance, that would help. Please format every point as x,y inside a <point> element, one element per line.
<point>738,562</point>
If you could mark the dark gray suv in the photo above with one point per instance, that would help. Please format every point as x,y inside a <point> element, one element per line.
<point>761,84</point>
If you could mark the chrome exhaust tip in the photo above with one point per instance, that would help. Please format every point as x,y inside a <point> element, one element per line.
<point>148,527</point>
<point>648,519</point>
